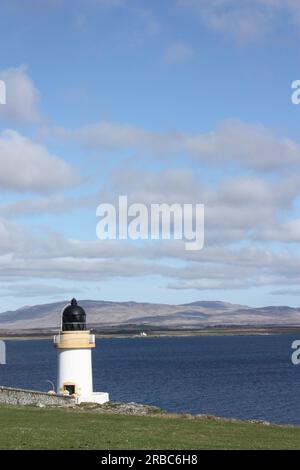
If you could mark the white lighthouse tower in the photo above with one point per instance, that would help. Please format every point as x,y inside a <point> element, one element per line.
<point>74,345</point>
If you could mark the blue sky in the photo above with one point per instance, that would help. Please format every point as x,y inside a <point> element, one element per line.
<point>164,101</point>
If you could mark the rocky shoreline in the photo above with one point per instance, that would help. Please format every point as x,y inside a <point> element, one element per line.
<point>138,409</point>
<point>20,397</point>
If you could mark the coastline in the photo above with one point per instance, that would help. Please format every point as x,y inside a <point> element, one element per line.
<point>161,333</point>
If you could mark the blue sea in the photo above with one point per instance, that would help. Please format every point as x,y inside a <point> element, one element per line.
<point>247,377</point>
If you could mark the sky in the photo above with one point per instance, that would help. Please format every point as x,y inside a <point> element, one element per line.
<point>165,101</point>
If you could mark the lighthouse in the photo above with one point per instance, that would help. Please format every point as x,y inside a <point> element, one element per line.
<point>74,345</point>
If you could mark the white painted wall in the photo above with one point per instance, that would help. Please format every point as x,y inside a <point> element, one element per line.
<point>75,365</point>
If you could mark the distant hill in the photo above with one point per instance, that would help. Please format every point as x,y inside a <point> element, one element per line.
<point>112,314</point>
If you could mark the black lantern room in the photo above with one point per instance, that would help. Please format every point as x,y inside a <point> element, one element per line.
<point>73,317</point>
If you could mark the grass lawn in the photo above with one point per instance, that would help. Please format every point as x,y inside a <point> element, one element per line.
<point>44,428</point>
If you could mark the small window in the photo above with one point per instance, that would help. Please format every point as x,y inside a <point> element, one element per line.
<point>70,388</point>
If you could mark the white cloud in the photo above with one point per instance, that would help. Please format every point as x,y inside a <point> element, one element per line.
<point>37,290</point>
<point>252,146</point>
<point>27,166</point>
<point>177,52</point>
<point>22,97</point>
<point>246,146</point>
<point>213,268</point>
<point>54,204</point>
<point>288,231</point>
<point>220,265</point>
<point>50,204</point>
<point>245,20</point>
<point>12,237</point>
<point>289,292</point>
<point>249,209</point>
<point>237,208</point>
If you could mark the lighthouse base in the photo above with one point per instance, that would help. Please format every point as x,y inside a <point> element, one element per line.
<point>96,397</point>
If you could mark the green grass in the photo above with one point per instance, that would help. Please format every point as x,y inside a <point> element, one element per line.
<point>44,428</point>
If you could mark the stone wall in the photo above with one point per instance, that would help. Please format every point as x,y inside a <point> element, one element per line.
<point>18,396</point>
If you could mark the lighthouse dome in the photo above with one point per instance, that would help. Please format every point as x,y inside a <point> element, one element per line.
<point>73,317</point>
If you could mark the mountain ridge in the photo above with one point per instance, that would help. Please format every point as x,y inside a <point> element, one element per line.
<point>197,314</point>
